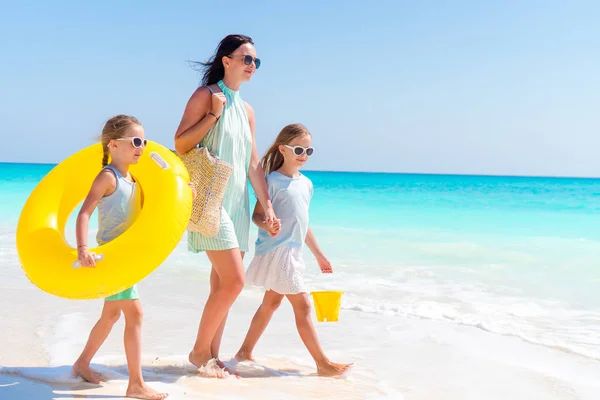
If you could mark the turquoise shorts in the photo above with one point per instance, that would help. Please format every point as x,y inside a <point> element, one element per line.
<point>127,294</point>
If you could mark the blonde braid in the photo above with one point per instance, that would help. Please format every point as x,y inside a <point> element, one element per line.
<point>104,154</point>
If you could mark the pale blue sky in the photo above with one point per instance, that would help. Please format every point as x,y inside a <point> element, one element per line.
<point>504,87</point>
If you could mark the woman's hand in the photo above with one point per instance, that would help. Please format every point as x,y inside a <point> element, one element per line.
<point>218,101</point>
<point>273,224</point>
<point>274,228</point>
<point>270,215</point>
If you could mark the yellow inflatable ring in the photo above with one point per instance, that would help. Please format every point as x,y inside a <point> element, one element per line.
<point>46,256</point>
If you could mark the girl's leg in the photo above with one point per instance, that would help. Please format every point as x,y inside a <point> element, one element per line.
<point>132,309</point>
<point>308,334</point>
<point>229,267</point>
<point>110,315</point>
<point>270,303</point>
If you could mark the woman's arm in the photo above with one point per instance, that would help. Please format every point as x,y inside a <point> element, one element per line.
<point>256,173</point>
<point>201,113</point>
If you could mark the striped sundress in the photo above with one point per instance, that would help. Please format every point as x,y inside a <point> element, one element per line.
<point>235,147</point>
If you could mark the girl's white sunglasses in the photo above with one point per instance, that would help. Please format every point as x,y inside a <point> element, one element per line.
<point>299,150</point>
<point>136,141</point>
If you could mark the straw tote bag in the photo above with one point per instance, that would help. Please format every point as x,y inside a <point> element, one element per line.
<point>210,175</point>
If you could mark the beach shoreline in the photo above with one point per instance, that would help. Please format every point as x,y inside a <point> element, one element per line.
<point>394,356</point>
<point>462,289</point>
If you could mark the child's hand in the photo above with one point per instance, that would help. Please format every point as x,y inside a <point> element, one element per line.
<point>274,227</point>
<point>193,187</point>
<point>325,265</point>
<point>86,259</point>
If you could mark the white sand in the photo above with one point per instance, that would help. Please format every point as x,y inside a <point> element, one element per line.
<point>395,357</point>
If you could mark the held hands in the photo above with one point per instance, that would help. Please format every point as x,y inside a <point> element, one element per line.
<point>325,265</point>
<point>273,228</point>
<point>270,215</point>
<point>273,224</point>
<point>218,101</point>
<point>86,259</point>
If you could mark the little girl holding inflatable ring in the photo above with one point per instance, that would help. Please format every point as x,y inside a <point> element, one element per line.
<point>118,198</point>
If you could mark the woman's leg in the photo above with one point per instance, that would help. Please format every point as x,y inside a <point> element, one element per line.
<point>270,304</point>
<point>110,315</point>
<point>308,334</point>
<point>215,345</point>
<point>229,267</point>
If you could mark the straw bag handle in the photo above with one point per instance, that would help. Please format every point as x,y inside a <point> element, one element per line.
<point>214,88</point>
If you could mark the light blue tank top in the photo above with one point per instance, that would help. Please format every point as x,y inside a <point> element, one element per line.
<point>116,212</point>
<point>290,198</point>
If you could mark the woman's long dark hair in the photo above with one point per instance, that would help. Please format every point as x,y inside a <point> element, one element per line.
<point>213,69</point>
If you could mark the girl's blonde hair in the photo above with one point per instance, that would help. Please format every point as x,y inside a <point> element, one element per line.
<point>115,128</point>
<point>273,159</point>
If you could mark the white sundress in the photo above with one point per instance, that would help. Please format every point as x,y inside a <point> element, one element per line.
<point>278,263</point>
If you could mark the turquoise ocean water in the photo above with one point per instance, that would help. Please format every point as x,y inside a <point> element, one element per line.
<point>516,256</point>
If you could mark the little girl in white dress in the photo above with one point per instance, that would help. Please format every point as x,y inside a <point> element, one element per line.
<point>278,264</point>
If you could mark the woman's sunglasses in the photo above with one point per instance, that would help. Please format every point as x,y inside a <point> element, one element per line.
<point>248,59</point>
<point>299,150</point>
<point>136,141</point>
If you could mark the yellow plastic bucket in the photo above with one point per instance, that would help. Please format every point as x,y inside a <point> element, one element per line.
<point>327,305</point>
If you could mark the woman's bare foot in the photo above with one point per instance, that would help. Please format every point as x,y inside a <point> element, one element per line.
<point>84,371</point>
<point>199,360</point>
<point>332,369</point>
<point>141,391</point>
<point>243,355</point>
<point>207,366</point>
<point>223,367</point>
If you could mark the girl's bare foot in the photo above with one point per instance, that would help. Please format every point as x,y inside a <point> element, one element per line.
<point>243,355</point>
<point>332,369</point>
<point>141,391</point>
<point>84,371</point>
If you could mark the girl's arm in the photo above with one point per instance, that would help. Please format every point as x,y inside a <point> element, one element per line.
<point>311,242</point>
<point>256,173</point>
<point>104,184</point>
<point>196,120</point>
<point>258,217</point>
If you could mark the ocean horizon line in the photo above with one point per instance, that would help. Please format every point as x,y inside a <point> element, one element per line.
<point>405,173</point>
